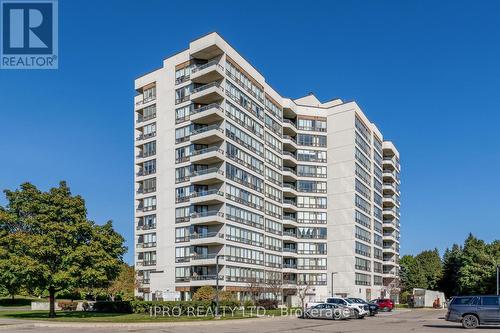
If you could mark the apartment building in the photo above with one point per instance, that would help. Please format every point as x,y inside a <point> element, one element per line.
<point>237,185</point>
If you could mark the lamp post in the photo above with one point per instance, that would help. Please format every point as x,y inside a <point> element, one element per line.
<point>498,280</point>
<point>217,284</point>
<point>333,273</point>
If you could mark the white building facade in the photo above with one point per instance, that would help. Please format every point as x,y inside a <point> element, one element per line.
<point>237,185</point>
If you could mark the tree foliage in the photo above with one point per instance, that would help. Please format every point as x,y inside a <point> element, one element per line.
<point>49,235</point>
<point>205,293</point>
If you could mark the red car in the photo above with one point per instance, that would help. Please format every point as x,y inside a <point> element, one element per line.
<point>384,304</point>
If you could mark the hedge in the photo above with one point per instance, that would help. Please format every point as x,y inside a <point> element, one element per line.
<point>180,307</point>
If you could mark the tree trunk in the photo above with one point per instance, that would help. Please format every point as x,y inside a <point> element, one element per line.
<point>52,302</point>
<point>12,296</point>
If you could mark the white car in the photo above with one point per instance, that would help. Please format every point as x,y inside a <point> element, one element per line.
<point>360,310</point>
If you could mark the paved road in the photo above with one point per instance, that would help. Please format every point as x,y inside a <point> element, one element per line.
<point>396,322</point>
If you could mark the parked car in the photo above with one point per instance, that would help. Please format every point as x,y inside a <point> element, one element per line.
<point>328,311</point>
<point>372,307</point>
<point>384,304</point>
<point>473,311</point>
<point>361,310</point>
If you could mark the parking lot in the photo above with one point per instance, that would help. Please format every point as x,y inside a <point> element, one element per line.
<point>424,320</point>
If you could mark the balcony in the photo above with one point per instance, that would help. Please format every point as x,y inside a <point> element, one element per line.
<point>210,155</point>
<point>207,114</point>
<point>389,176</point>
<point>209,197</point>
<point>207,176</point>
<point>389,212</point>
<point>207,218</point>
<point>209,72</point>
<point>289,158</point>
<point>389,188</point>
<point>389,249</point>
<point>144,227</point>
<point>389,200</point>
<point>289,174</point>
<point>289,205</point>
<point>208,93</point>
<point>289,143</point>
<point>289,252</point>
<point>289,189</point>
<point>146,245</point>
<point>289,236</point>
<point>389,237</point>
<point>207,135</point>
<point>389,163</point>
<point>289,127</point>
<point>207,238</point>
<point>141,103</point>
<point>142,136</point>
<point>389,224</point>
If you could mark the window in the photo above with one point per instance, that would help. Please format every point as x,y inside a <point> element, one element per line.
<point>377,280</point>
<point>308,155</point>
<point>314,124</point>
<point>362,128</point>
<point>311,248</point>
<point>363,264</point>
<point>148,113</point>
<point>273,176</point>
<point>362,159</point>
<point>245,236</point>
<point>148,185</point>
<point>273,125</point>
<point>311,202</point>
<point>273,193</point>
<point>311,171</point>
<point>149,94</point>
<point>273,159</point>
<point>272,243</point>
<point>182,114</point>
<point>240,176</point>
<point>273,108</point>
<point>311,186</point>
<point>363,234</point>
<point>239,254</point>
<point>311,140</point>
<point>311,217</point>
<point>244,120</point>
<point>362,204</point>
<point>362,219</point>
<point>242,196</point>
<point>362,279</point>
<point>273,210</point>
<point>274,227</point>
<point>149,167</point>
<point>363,189</point>
<point>244,216</point>
<point>243,100</point>
<point>182,74</point>
<point>493,300</point>
<point>244,139</point>
<point>244,158</point>
<point>148,131</point>
<point>244,81</point>
<point>182,214</point>
<point>182,94</point>
<point>273,142</point>
<point>149,149</point>
<point>363,249</point>
<point>361,143</point>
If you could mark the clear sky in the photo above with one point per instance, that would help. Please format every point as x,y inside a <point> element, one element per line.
<point>426,72</point>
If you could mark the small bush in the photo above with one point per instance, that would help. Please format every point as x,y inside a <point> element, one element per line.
<point>15,302</point>
<point>268,304</point>
<point>67,305</point>
<point>229,304</point>
<point>248,304</point>
<point>182,306</point>
<point>112,307</point>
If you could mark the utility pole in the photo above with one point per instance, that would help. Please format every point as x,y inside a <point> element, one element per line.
<point>333,273</point>
<point>498,280</point>
<point>217,285</point>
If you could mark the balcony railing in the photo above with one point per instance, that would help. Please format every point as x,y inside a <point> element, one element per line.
<point>206,129</point>
<point>208,64</point>
<point>207,171</point>
<point>205,193</point>
<point>207,213</point>
<point>206,108</point>
<point>206,235</point>
<point>207,86</point>
<point>207,150</point>
<point>290,170</point>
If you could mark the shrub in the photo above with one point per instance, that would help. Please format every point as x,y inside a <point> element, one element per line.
<point>15,302</point>
<point>113,307</point>
<point>182,306</point>
<point>67,305</point>
<point>205,293</point>
<point>229,304</point>
<point>248,304</point>
<point>268,304</point>
<point>226,296</point>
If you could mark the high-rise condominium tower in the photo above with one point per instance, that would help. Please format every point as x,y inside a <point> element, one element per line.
<point>238,186</point>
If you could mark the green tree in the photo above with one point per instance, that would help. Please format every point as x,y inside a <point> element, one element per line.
<point>124,285</point>
<point>429,262</point>
<point>478,269</point>
<point>452,261</point>
<point>411,273</point>
<point>61,249</point>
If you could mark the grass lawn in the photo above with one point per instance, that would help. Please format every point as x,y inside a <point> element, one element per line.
<point>77,316</point>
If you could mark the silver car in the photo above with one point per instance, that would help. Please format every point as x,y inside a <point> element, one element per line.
<point>328,311</point>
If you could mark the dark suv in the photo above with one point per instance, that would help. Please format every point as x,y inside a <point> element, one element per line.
<point>473,311</point>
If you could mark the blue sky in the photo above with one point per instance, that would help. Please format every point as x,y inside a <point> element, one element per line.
<point>426,72</point>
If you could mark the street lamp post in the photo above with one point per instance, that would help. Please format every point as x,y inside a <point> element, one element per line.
<point>217,285</point>
<point>333,273</point>
<point>498,280</point>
